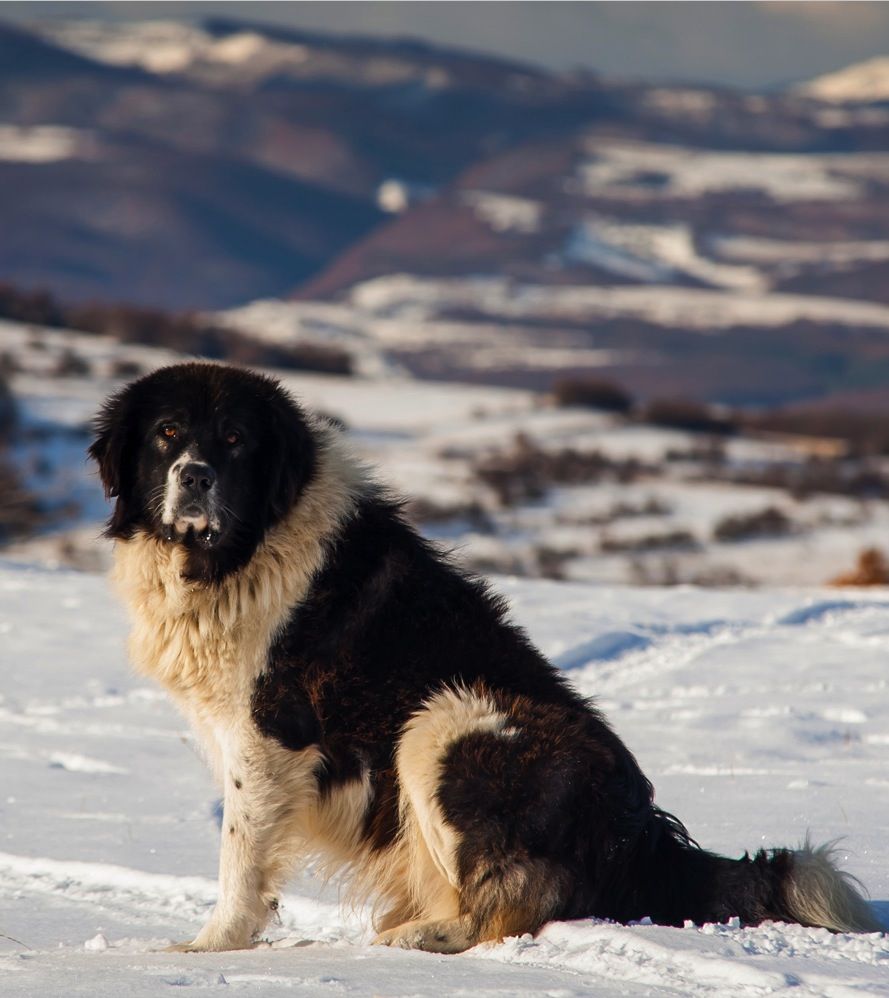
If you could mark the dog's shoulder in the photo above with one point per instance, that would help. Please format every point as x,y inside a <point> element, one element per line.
<point>389,622</point>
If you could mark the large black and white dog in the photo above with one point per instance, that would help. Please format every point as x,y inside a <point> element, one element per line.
<point>362,700</point>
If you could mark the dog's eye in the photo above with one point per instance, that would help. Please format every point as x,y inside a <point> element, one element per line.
<point>233,438</point>
<point>169,431</point>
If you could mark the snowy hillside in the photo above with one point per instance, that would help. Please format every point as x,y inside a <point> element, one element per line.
<point>861,82</point>
<point>514,483</point>
<point>758,717</point>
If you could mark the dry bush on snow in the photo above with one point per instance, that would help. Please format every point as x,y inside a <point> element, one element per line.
<point>185,332</point>
<point>817,476</point>
<point>668,540</point>
<point>526,470</point>
<point>862,431</point>
<point>768,522</point>
<point>20,513</point>
<point>693,417</point>
<point>424,510</point>
<point>872,569</point>
<point>591,393</point>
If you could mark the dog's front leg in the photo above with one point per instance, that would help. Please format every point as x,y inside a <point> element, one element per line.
<point>259,807</point>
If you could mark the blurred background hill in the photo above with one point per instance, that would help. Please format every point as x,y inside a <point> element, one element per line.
<point>682,207</point>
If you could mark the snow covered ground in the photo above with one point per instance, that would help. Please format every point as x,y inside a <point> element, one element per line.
<point>758,716</point>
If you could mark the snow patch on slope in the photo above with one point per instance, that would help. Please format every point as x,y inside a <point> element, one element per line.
<point>412,299</point>
<point>655,253</point>
<point>643,171</point>
<point>43,143</point>
<point>505,213</point>
<point>863,81</point>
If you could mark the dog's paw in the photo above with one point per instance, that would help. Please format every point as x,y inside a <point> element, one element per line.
<point>215,944</point>
<point>444,936</point>
<point>180,948</point>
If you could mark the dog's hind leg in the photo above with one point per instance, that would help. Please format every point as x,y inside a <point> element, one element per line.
<point>469,884</point>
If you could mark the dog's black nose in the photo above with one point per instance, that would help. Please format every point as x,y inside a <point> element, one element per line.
<point>197,477</point>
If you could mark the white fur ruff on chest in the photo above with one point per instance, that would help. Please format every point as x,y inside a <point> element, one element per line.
<point>206,644</point>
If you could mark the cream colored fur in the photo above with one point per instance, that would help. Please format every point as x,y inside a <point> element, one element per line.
<point>446,717</point>
<point>207,645</point>
<point>429,914</point>
<point>818,893</point>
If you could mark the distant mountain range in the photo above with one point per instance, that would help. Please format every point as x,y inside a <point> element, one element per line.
<point>202,168</point>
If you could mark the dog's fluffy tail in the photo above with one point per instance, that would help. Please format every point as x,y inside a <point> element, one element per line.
<point>786,885</point>
<point>815,891</point>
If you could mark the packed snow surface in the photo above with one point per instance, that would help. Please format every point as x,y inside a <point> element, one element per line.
<point>758,715</point>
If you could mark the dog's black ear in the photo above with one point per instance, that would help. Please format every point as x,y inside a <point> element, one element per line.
<point>295,455</point>
<point>108,450</point>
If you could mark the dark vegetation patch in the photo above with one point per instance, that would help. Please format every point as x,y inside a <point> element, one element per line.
<point>423,510</point>
<point>693,417</point>
<point>816,476</point>
<point>539,561</point>
<point>764,523</point>
<point>20,512</point>
<point>871,569</point>
<point>186,332</point>
<point>526,470</point>
<point>665,540</point>
<point>652,506</point>
<point>706,451</point>
<point>862,431</point>
<point>668,571</point>
<point>591,393</point>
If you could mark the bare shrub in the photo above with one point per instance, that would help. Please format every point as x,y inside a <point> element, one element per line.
<point>655,572</point>
<point>818,476</point>
<point>539,562</point>
<point>70,365</point>
<point>591,393</point>
<point>719,577</point>
<point>20,513</point>
<point>124,367</point>
<point>194,334</point>
<point>8,411</point>
<point>37,308</point>
<point>526,470</point>
<point>670,539</point>
<point>185,332</point>
<point>768,522</point>
<point>668,572</point>
<point>872,569</point>
<point>652,506</point>
<point>862,431</point>
<point>424,510</point>
<point>9,365</point>
<point>551,562</point>
<point>709,451</point>
<point>694,417</point>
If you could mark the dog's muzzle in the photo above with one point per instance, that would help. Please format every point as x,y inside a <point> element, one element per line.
<point>192,503</point>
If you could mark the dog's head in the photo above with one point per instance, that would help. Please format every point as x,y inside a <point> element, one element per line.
<point>202,455</point>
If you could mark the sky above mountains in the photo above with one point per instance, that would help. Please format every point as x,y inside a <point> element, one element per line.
<point>745,44</point>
